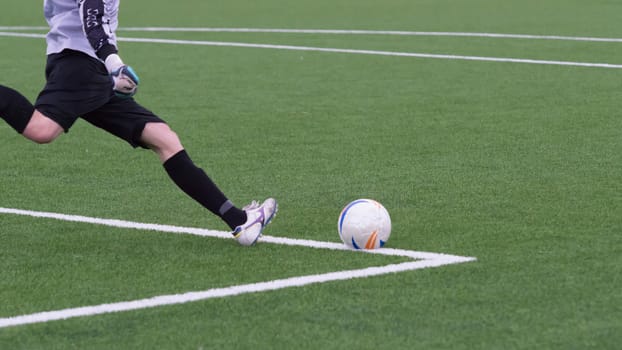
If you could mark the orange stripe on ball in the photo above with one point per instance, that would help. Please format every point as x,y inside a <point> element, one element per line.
<point>371,241</point>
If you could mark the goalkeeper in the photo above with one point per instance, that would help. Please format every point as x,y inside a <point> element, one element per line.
<point>86,78</point>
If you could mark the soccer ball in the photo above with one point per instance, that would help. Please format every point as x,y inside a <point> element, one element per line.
<point>364,224</point>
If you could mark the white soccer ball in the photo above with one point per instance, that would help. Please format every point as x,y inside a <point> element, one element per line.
<point>364,224</point>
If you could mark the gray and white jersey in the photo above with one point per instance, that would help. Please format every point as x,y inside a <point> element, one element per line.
<point>83,25</point>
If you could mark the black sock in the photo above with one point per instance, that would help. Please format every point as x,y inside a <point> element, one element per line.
<point>195,183</point>
<point>15,109</point>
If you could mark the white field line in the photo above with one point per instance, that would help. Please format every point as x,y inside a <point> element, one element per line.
<point>424,260</point>
<point>343,32</point>
<point>347,51</point>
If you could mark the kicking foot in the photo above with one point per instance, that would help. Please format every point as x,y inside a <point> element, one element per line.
<point>258,216</point>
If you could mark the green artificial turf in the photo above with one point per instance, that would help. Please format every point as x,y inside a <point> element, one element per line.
<point>516,164</point>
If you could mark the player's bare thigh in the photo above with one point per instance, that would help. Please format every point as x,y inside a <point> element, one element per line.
<point>42,129</point>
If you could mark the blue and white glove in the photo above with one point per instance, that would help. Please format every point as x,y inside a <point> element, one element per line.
<point>124,78</point>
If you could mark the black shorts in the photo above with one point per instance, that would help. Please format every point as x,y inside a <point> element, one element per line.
<point>79,86</point>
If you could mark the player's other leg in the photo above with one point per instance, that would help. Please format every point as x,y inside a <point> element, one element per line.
<point>247,223</point>
<point>21,115</point>
<point>42,129</point>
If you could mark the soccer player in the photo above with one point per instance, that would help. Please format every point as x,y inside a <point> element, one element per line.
<point>86,78</point>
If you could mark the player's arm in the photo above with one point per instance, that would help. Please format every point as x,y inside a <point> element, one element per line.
<point>99,19</point>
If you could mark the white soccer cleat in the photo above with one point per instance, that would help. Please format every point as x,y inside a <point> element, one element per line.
<point>258,216</point>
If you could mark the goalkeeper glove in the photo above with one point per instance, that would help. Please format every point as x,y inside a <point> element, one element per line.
<point>123,76</point>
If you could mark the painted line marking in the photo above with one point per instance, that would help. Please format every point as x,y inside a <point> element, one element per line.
<point>347,51</point>
<point>343,32</point>
<point>423,260</point>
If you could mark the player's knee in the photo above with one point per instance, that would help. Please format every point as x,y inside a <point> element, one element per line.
<point>42,138</point>
<point>41,135</point>
<point>161,139</point>
<point>162,129</point>
<point>160,135</point>
<point>41,129</point>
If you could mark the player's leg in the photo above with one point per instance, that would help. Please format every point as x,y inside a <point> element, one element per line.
<point>162,140</point>
<point>187,176</point>
<point>42,129</point>
<point>21,115</point>
<point>15,109</point>
<point>138,126</point>
<point>76,84</point>
<point>247,223</point>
